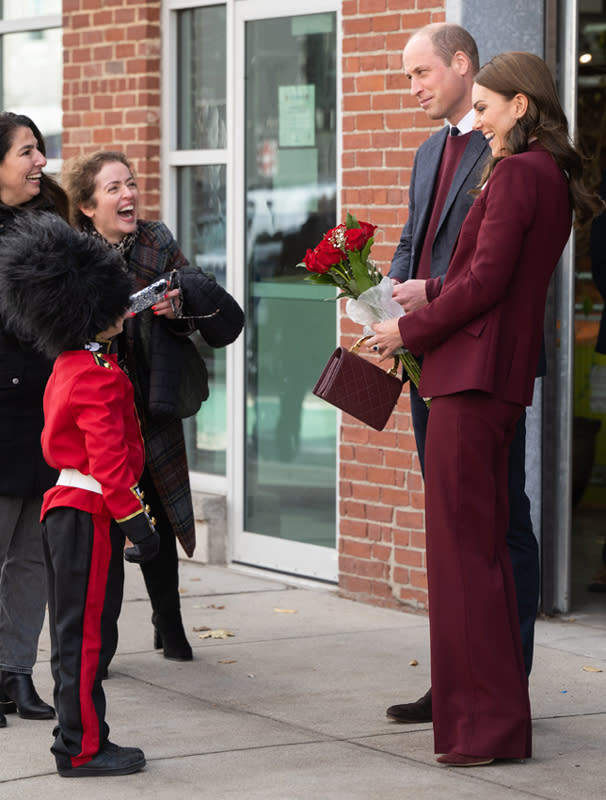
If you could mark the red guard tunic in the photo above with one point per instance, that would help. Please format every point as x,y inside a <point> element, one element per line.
<point>90,426</point>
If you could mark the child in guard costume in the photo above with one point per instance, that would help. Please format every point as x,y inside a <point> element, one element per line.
<point>69,294</point>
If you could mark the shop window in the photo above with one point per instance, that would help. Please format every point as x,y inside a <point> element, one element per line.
<point>31,63</point>
<point>201,136</point>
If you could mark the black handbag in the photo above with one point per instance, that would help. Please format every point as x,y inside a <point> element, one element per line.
<point>193,384</point>
<point>359,387</point>
<point>174,367</point>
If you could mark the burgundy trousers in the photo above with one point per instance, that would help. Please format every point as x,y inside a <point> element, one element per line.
<point>479,687</point>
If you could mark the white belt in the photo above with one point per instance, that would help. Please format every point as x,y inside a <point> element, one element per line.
<point>72,477</point>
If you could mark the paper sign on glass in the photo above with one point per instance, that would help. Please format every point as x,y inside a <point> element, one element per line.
<point>297,106</point>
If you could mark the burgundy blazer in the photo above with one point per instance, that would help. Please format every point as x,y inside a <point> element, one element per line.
<point>484,330</point>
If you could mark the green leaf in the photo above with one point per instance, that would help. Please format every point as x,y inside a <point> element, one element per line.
<point>339,280</point>
<point>366,249</point>
<point>360,272</point>
<point>351,221</point>
<point>320,277</point>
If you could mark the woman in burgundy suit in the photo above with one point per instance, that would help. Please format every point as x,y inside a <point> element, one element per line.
<point>481,337</point>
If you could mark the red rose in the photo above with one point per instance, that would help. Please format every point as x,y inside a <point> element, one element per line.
<point>369,230</point>
<point>323,257</point>
<point>309,259</point>
<point>312,263</point>
<point>356,238</point>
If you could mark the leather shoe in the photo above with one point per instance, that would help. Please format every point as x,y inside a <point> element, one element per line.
<point>17,693</point>
<point>460,760</point>
<point>2,720</point>
<point>110,760</point>
<point>110,747</point>
<point>419,711</point>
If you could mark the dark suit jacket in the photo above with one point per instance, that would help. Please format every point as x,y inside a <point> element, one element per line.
<point>484,330</point>
<point>458,202</point>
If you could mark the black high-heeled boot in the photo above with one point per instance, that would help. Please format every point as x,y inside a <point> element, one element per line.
<point>17,693</point>
<point>161,575</point>
<point>170,637</point>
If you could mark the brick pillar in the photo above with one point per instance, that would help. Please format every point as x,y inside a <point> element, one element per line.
<point>382,519</point>
<point>111,85</point>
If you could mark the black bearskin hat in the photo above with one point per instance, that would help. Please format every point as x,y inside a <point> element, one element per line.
<point>59,287</point>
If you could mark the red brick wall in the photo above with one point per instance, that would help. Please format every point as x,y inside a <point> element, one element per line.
<point>382,519</point>
<point>111,85</point>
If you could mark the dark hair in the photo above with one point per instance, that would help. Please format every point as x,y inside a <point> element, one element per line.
<point>78,176</point>
<point>51,196</point>
<point>448,38</point>
<point>514,73</point>
<point>59,287</point>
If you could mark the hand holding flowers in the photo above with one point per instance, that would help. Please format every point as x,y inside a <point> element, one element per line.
<point>387,340</point>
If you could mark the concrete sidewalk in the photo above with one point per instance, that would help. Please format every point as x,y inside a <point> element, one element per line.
<point>293,705</point>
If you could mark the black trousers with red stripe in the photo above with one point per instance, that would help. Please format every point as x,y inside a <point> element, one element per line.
<point>85,571</point>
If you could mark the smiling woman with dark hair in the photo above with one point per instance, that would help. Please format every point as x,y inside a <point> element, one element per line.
<point>481,338</point>
<point>24,476</point>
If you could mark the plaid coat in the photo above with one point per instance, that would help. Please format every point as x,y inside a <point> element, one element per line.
<point>152,357</point>
<point>155,252</point>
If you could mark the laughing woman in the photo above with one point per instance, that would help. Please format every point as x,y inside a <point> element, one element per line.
<point>481,337</point>
<point>104,200</point>
<point>24,476</point>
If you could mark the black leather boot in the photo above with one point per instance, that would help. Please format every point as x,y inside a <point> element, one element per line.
<point>161,575</point>
<point>170,637</point>
<point>2,720</point>
<point>17,693</point>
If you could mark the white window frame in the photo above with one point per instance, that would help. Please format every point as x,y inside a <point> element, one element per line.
<point>25,25</point>
<point>171,159</point>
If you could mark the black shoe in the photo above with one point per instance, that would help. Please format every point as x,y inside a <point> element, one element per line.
<point>412,712</point>
<point>110,760</point>
<point>110,747</point>
<point>172,640</point>
<point>2,720</point>
<point>17,693</point>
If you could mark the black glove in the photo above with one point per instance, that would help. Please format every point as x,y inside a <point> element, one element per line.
<point>144,550</point>
<point>142,533</point>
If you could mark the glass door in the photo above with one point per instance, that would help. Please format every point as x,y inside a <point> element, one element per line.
<point>287,173</point>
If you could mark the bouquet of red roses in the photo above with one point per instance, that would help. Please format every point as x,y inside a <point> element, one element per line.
<point>342,260</point>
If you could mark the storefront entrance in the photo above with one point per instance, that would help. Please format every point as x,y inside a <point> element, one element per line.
<point>286,177</point>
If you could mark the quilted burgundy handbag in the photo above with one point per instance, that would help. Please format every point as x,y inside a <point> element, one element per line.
<point>359,387</point>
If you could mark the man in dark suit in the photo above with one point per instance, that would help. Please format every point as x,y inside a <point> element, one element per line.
<point>441,60</point>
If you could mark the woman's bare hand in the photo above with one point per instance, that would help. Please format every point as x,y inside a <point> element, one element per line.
<point>164,308</point>
<point>386,340</point>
